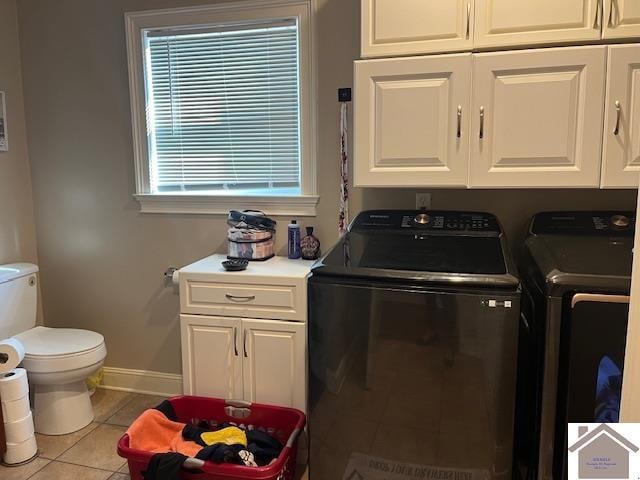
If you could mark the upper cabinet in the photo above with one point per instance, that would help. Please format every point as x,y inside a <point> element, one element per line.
<point>411,121</point>
<point>537,118</point>
<point>621,149</point>
<point>621,19</point>
<point>411,27</point>
<point>501,23</point>
<point>405,27</point>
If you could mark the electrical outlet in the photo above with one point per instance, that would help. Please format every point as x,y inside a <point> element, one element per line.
<point>423,201</point>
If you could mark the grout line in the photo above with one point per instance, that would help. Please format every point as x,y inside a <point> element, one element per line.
<point>94,468</point>
<point>76,442</point>
<point>48,462</point>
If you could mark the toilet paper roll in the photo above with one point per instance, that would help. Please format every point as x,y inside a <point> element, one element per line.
<point>14,385</point>
<point>20,452</point>
<point>20,430</point>
<point>16,409</point>
<point>11,354</point>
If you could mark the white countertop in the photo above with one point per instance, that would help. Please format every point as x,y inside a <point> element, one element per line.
<point>274,267</point>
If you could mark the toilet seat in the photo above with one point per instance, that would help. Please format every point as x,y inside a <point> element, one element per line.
<point>49,350</point>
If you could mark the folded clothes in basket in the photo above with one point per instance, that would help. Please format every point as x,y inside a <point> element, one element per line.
<point>157,431</point>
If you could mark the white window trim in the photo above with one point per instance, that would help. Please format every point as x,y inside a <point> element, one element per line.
<point>137,22</point>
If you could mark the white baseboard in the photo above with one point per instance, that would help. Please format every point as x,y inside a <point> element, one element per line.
<point>142,381</point>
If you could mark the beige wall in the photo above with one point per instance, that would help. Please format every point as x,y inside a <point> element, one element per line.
<point>17,232</point>
<point>101,260</point>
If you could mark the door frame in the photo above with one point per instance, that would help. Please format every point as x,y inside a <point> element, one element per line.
<point>630,404</point>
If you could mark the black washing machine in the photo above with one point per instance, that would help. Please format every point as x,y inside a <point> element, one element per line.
<point>413,333</point>
<point>576,274</point>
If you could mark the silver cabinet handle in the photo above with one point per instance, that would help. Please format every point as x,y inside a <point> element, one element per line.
<point>481,122</point>
<point>616,130</point>
<point>244,344</point>
<point>459,121</point>
<point>235,298</point>
<point>468,20</point>
<point>235,340</point>
<point>599,6</point>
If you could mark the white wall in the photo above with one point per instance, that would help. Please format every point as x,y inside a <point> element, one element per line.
<point>17,232</point>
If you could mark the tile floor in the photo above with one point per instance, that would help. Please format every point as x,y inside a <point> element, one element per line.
<point>89,454</point>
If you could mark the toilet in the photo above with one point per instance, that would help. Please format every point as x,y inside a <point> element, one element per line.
<point>57,360</point>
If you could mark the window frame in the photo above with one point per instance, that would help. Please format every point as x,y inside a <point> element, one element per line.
<point>137,23</point>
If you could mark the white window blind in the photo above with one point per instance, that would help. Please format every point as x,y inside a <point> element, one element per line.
<point>223,109</point>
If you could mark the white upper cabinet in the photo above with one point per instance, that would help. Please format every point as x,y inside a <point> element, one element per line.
<point>537,118</point>
<point>412,120</point>
<point>621,19</point>
<point>501,23</point>
<point>405,27</point>
<point>621,149</point>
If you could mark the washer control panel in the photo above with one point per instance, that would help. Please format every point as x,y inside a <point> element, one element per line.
<point>613,223</point>
<point>427,221</point>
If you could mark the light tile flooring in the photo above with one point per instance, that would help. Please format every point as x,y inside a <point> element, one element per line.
<point>89,454</point>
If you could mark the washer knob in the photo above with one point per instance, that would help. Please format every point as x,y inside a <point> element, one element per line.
<point>620,221</point>
<point>422,218</point>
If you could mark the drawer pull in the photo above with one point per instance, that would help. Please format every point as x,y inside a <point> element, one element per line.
<point>244,344</point>
<point>468,32</point>
<point>235,298</point>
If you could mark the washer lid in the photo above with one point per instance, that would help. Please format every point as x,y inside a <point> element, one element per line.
<point>44,341</point>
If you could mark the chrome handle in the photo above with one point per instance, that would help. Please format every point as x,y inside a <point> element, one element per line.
<point>244,344</point>
<point>599,7</point>
<point>468,20</point>
<point>235,340</point>
<point>481,122</point>
<point>459,121</point>
<point>235,298</point>
<point>618,115</point>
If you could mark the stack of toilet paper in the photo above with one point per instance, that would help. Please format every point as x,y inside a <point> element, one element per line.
<point>14,399</point>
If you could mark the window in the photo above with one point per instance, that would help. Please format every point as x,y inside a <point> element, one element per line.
<point>221,108</point>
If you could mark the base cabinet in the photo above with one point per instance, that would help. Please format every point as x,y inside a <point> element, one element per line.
<point>262,361</point>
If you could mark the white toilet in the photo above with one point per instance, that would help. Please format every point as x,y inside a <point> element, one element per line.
<point>57,360</point>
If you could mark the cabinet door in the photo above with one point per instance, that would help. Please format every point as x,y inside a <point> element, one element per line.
<point>621,149</point>
<point>537,118</point>
<point>401,27</point>
<point>275,362</point>
<point>411,121</point>
<point>501,23</point>
<point>211,362</point>
<point>622,19</point>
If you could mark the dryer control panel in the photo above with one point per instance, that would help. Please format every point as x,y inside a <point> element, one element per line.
<point>588,223</point>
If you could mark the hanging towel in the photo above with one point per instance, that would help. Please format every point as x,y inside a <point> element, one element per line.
<point>343,214</point>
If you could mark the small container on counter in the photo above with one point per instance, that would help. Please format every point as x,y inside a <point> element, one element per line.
<point>293,240</point>
<point>310,245</point>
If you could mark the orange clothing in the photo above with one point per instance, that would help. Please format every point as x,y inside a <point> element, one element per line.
<point>154,432</point>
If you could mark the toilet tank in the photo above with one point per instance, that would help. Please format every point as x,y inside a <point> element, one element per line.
<point>18,298</point>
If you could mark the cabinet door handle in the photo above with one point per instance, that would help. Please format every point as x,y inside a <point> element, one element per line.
<point>468,33</point>
<point>235,298</point>
<point>616,130</point>
<point>459,121</point>
<point>235,340</point>
<point>612,5</point>
<point>596,22</point>
<point>481,122</point>
<point>244,344</point>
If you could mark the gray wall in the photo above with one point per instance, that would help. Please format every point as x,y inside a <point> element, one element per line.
<point>17,232</point>
<point>101,260</point>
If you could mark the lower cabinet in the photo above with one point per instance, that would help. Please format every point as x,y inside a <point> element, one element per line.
<point>262,361</point>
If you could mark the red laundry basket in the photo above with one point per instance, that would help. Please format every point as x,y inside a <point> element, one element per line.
<point>285,424</point>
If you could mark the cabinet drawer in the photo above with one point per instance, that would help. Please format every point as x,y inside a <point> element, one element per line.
<point>260,301</point>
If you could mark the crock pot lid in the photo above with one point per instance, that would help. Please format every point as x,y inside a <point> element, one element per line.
<point>43,341</point>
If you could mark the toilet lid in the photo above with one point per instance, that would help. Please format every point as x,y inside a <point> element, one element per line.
<point>44,341</point>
